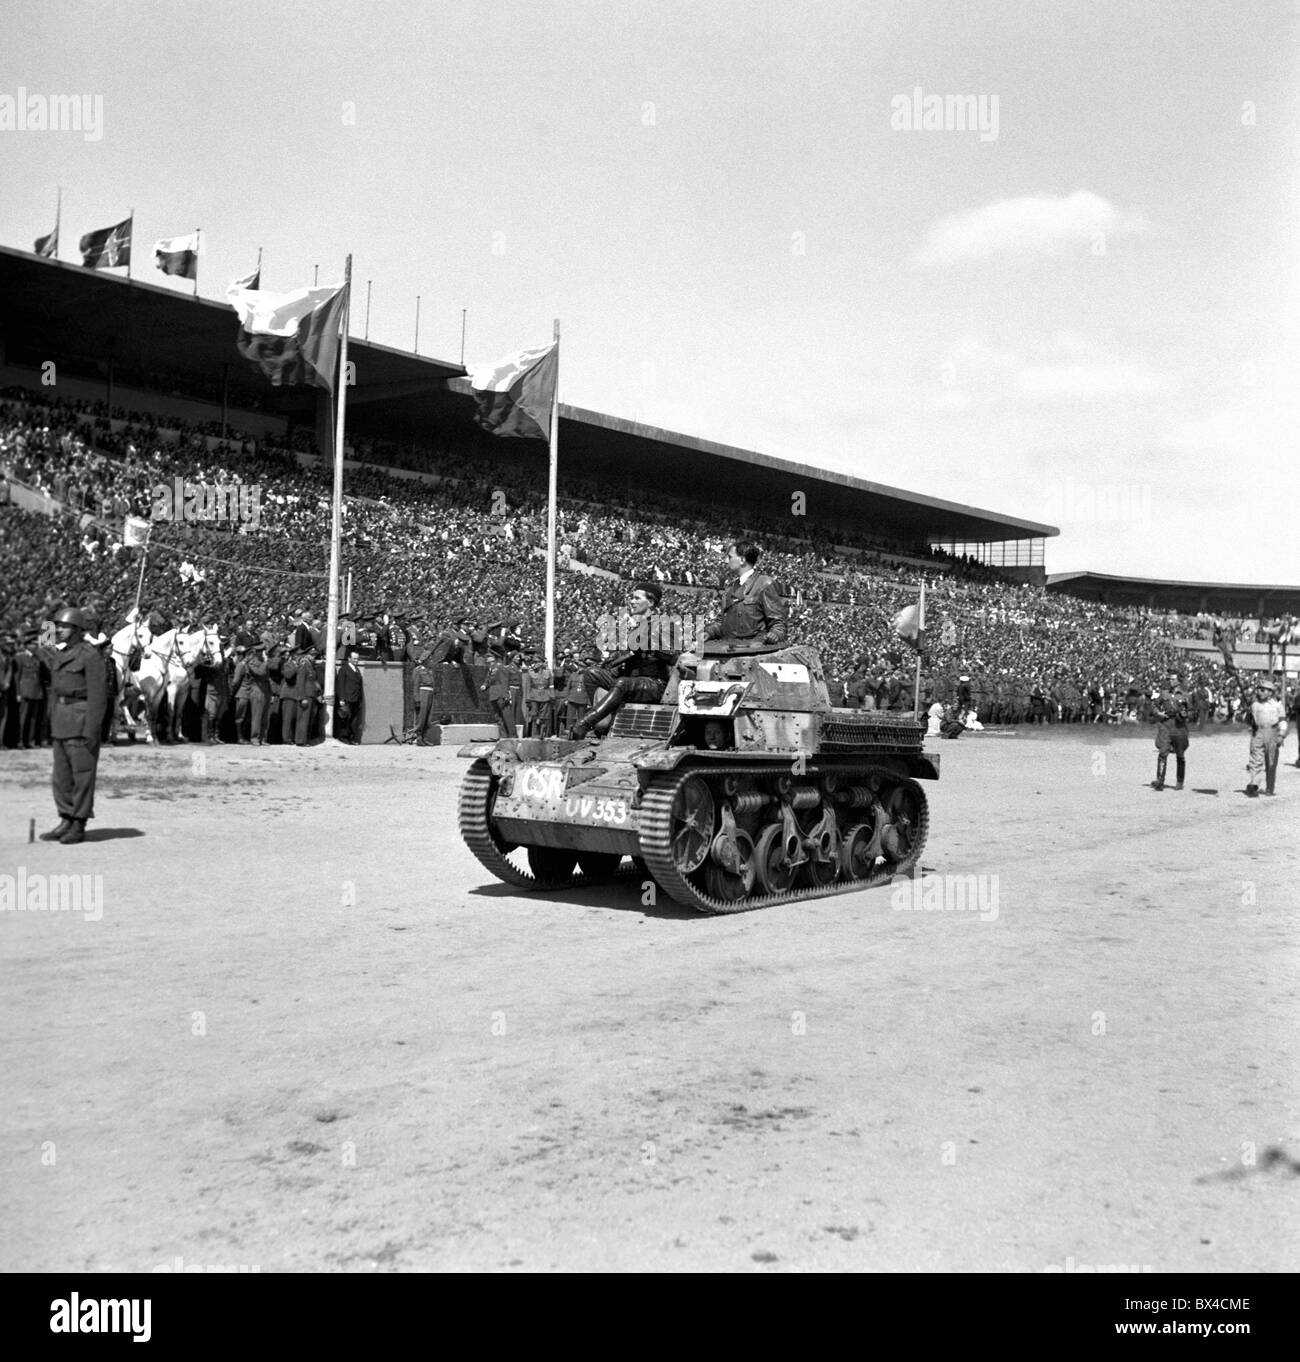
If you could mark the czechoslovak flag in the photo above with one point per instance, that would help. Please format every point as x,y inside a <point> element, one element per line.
<point>907,625</point>
<point>291,337</point>
<point>178,255</point>
<point>514,397</point>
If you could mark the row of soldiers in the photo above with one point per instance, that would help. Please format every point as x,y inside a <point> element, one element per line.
<point>525,696</point>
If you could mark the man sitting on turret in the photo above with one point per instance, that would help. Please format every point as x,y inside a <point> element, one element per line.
<point>639,675</point>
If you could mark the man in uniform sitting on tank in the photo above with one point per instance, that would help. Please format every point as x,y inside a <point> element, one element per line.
<point>753,610</point>
<point>639,675</point>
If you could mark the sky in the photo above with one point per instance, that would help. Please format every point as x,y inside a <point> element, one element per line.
<point>1081,310</point>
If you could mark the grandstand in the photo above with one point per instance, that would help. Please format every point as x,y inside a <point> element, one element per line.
<point>444,521</point>
<point>148,348</point>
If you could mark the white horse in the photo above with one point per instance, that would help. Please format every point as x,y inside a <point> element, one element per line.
<point>134,634</point>
<point>163,675</point>
<point>201,649</point>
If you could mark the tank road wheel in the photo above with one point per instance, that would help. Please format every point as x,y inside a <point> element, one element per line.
<point>859,852</point>
<point>775,873</point>
<point>819,873</point>
<point>902,842</point>
<point>722,884</point>
<point>690,830</point>
<point>552,867</point>
<point>822,873</point>
<point>598,866</point>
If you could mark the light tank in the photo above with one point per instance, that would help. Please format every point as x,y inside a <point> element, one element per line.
<point>750,790</point>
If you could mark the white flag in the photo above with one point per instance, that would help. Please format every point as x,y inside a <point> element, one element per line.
<point>135,532</point>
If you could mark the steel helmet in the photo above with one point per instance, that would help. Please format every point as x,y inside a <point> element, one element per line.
<point>69,615</point>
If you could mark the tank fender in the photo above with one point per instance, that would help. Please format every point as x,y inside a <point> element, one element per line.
<point>924,766</point>
<point>664,759</point>
<point>478,749</point>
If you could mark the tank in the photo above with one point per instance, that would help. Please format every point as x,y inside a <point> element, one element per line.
<point>748,791</point>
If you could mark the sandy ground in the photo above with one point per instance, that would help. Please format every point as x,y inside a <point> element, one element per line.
<point>310,1032</point>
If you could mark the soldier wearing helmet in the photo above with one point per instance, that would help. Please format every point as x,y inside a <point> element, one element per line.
<point>78,703</point>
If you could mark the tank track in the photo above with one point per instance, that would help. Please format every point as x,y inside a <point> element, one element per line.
<point>656,823</point>
<point>475,791</point>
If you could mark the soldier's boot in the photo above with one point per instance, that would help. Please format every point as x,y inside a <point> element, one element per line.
<point>75,833</point>
<point>592,717</point>
<point>205,730</point>
<point>1270,775</point>
<point>1161,763</point>
<point>1181,769</point>
<point>1252,791</point>
<point>55,834</point>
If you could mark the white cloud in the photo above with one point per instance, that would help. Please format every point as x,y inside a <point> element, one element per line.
<point>1036,224</point>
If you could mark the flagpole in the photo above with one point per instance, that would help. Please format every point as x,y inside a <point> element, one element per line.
<point>550,508</point>
<point>139,586</point>
<point>259,267</point>
<point>198,232</point>
<point>920,640</point>
<point>340,398</point>
<point>130,242</point>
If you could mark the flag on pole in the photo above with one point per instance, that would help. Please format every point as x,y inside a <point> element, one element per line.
<point>135,532</point>
<point>251,282</point>
<point>178,255</point>
<point>107,248</point>
<point>515,396</point>
<point>1224,644</point>
<point>907,625</point>
<point>48,246</point>
<point>291,337</point>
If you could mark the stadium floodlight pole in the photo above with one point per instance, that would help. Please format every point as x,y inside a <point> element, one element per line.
<point>336,529</point>
<point>550,508</point>
<point>920,643</point>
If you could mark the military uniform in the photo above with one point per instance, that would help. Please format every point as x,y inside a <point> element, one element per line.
<point>1171,712</point>
<point>753,610</point>
<point>497,685</point>
<point>1267,729</point>
<point>539,702</point>
<point>252,687</point>
<point>31,678</point>
<point>78,703</point>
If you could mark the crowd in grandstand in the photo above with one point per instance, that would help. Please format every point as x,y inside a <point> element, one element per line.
<point>466,541</point>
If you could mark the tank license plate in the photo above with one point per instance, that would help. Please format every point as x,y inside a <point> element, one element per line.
<point>597,809</point>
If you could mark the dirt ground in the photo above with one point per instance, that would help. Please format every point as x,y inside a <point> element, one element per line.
<point>309,1032</point>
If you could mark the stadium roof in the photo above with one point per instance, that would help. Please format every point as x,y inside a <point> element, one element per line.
<point>60,310</point>
<point>1222,598</point>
